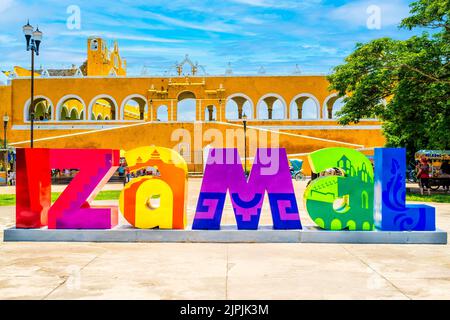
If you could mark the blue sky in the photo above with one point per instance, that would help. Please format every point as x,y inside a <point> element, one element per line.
<point>275,34</point>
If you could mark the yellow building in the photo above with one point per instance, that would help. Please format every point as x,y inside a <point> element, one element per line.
<point>125,112</point>
<point>104,62</point>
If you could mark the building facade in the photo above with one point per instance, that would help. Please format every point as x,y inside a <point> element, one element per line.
<point>123,112</point>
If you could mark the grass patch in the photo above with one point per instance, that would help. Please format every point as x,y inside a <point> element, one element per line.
<point>10,199</point>
<point>108,195</point>
<point>442,198</point>
<point>7,199</point>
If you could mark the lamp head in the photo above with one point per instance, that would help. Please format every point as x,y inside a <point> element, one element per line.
<point>6,118</point>
<point>37,36</point>
<point>28,32</point>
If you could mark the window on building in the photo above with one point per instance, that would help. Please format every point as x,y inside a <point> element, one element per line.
<point>94,45</point>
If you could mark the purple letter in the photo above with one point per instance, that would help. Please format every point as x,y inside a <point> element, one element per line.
<point>224,172</point>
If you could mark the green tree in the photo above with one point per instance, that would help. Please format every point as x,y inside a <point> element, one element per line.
<point>404,83</point>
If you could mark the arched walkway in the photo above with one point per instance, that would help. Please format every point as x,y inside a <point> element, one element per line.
<point>305,106</point>
<point>70,102</point>
<point>105,106</point>
<point>237,105</point>
<point>271,107</point>
<point>134,107</point>
<point>332,104</point>
<point>43,109</point>
<point>162,113</point>
<point>186,107</point>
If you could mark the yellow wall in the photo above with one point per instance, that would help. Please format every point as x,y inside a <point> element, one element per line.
<point>297,136</point>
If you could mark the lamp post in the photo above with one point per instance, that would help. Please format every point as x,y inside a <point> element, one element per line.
<point>33,39</point>
<point>5,126</point>
<point>244,120</point>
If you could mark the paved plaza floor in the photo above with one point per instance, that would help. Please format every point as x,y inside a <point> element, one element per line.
<point>223,271</point>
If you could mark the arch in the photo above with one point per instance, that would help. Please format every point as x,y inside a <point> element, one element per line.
<point>64,113</point>
<point>232,106</point>
<point>99,117</point>
<point>63,100</point>
<point>186,95</point>
<point>74,114</point>
<point>364,200</point>
<point>272,95</point>
<point>112,102</point>
<point>37,99</point>
<point>329,107</point>
<point>162,113</point>
<point>141,101</point>
<point>211,113</point>
<point>40,111</point>
<point>186,106</point>
<point>307,111</point>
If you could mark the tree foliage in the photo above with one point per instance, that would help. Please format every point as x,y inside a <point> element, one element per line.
<point>404,83</point>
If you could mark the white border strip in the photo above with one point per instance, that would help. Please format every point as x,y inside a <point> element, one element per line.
<point>366,127</point>
<point>295,135</point>
<point>218,122</point>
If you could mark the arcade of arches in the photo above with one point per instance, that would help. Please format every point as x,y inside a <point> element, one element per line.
<point>188,108</point>
<point>147,110</point>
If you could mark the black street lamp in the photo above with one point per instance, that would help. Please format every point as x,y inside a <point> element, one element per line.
<point>244,120</point>
<point>33,39</point>
<point>5,126</point>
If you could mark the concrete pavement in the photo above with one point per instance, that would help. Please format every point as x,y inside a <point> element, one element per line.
<point>224,271</point>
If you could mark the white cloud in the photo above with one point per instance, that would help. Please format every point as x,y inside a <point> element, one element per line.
<point>119,36</point>
<point>278,3</point>
<point>5,5</point>
<point>205,26</point>
<point>6,39</point>
<point>355,13</point>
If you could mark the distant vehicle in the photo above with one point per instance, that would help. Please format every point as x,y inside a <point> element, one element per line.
<point>411,172</point>
<point>296,169</point>
<point>436,159</point>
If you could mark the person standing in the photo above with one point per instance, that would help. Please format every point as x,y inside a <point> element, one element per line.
<point>127,175</point>
<point>445,174</point>
<point>121,170</point>
<point>424,176</point>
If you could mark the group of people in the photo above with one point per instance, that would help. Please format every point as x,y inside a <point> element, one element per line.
<point>124,171</point>
<point>63,172</point>
<point>423,169</point>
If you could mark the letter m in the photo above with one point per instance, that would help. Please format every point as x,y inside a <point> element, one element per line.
<point>224,173</point>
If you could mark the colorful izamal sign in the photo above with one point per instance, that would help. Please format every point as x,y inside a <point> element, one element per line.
<point>361,199</point>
